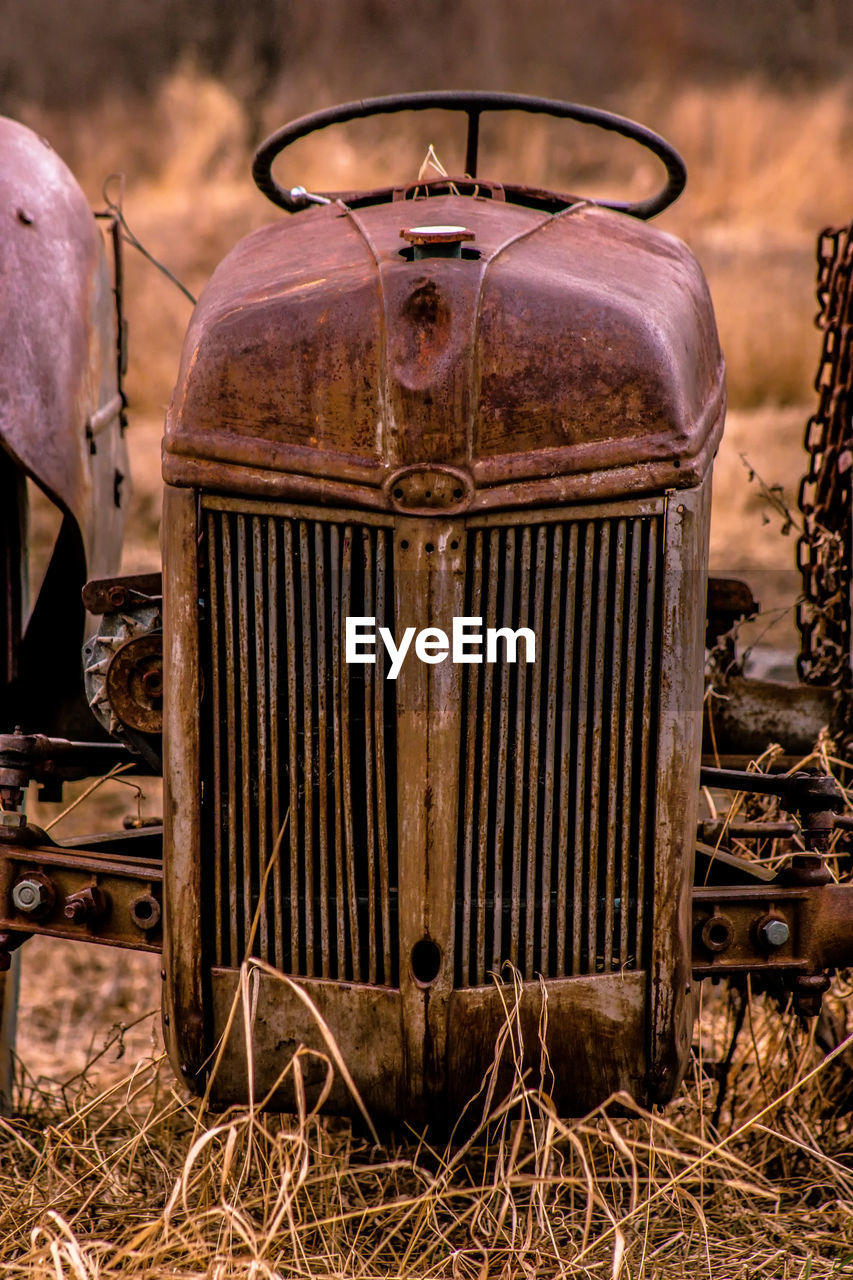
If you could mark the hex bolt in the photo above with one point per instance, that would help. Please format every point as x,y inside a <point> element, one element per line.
<point>774,932</point>
<point>31,895</point>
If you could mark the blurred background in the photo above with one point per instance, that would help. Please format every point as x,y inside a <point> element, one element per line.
<point>175,94</point>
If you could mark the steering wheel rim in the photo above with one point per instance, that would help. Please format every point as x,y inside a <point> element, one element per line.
<point>473,103</point>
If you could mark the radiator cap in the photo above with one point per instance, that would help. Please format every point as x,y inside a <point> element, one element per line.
<point>437,242</point>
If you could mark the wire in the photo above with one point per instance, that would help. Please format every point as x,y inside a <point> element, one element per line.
<point>118,213</point>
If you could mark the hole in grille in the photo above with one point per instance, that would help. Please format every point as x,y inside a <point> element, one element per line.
<point>557,757</point>
<point>289,726</point>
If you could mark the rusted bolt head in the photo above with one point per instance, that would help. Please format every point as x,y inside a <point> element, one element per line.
<point>117,597</point>
<point>86,905</point>
<point>30,895</point>
<point>145,912</point>
<point>774,932</point>
<point>718,933</point>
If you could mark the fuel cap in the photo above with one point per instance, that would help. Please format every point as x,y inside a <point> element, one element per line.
<point>437,242</point>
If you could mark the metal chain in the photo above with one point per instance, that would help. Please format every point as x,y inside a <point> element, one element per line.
<point>824,549</point>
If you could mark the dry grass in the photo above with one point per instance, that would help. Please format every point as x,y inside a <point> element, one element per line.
<point>112,1171</point>
<point>136,1181</point>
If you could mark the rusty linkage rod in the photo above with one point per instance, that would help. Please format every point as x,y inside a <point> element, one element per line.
<point>32,757</point>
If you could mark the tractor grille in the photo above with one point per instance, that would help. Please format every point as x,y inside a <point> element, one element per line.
<point>296,740</point>
<point>557,764</point>
<point>557,761</point>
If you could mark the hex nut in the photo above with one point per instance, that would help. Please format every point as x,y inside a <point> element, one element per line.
<point>31,895</point>
<point>774,932</point>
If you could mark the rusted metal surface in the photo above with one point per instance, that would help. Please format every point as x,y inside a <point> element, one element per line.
<point>596,1024</point>
<point>123,665</point>
<point>293,729</point>
<point>713,830</point>
<point>816,798</point>
<point>818,934</point>
<point>109,595</point>
<point>78,893</point>
<point>406,863</point>
<point>579,348</point>
<point>58,371</point>
<point>824,617</point>
<point>521,434</point>
<point>558,770</point>
<point>33,757</point>
<point>748,714</point>
<point>183,947</point>
<point>134,683</point>
<point>595,1033</point>
<point>679,692</point>
<point>367,1024</point>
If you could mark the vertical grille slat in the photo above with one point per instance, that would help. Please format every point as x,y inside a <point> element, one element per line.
<point>551,779</point>
<point>491,575</point>
<point>629,802</point>
<point>307,866</point>
<point>473,609</point>
<point>643,731</point>
<point>583,890</point>
<point>379,737</point>
<point>557,761</point>
<point>615,797</point>
<point>277,816</point>
<point>322,763</point>
<point>597,841</point>
<point>290,727</point>
<point>520,753</point>
<point>338,781</point>
<point>354,964</point>
<point>369,761</point>
<point>533,842</point>
<point>233,888</point>
<point>247,848</point>
<point>502,679</point>
<point>567,610</point>
<point>297,819</point>
<point>263,760</point>
<point>223,916</point>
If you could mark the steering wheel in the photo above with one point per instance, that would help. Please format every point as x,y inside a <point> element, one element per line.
<point>473,104</point>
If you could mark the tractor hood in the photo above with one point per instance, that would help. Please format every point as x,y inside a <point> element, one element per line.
<point>574,352</point>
